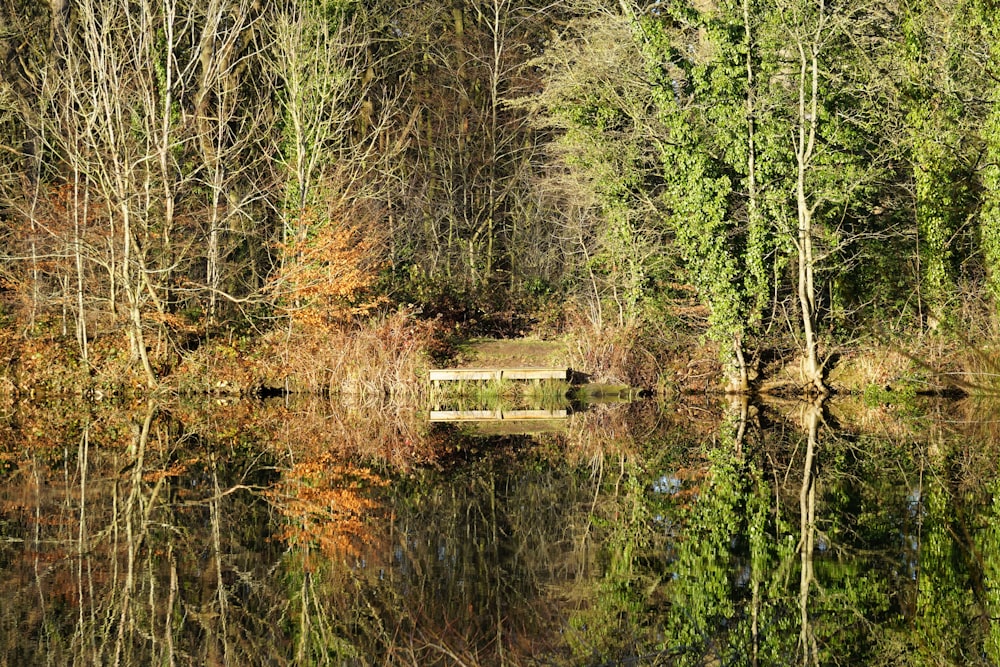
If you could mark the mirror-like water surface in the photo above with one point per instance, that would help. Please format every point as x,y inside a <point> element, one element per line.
<point>636,534</point>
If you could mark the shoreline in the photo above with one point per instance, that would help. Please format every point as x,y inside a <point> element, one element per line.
<point>392,358</point>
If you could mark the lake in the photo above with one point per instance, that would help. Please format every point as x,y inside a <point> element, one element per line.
<point>693,532</point>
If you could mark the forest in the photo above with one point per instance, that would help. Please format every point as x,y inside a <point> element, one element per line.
<point>741,207</point>
<point>238,192</point>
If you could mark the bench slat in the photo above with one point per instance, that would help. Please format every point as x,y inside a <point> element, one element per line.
<point>458,374</point>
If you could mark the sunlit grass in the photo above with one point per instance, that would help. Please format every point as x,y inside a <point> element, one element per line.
<point>548,394</point>
<point>980,372</point>
<point>502,394</point>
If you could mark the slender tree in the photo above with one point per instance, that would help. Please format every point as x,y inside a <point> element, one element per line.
<point>838,154</point>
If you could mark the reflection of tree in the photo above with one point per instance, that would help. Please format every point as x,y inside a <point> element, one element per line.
<point>728,595</point>
<point>989,547</point>
<point>460,575</point>
<point>733,582</point>
<point>157,540</point>
<point>943,593</point>
<point>327,503</point>
<point>632,561</point>
<point>702,591</point>
<point>812,415</point>
<point>140,549</point>
<point>848,542</point>
<point>476,554</point>
<point>956,615</point>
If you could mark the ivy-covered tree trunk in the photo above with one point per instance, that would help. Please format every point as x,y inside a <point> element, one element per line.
<point>707,102</point>
<point>989,223</point>
<point>934,57</point>
<point>935,207</point>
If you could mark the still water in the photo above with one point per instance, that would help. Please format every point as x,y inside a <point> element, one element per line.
<point>692,533</point>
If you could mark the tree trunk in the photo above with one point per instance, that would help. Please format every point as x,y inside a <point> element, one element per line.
<point>805,144</point>
<point>811,419</point>
<point>80,219</point>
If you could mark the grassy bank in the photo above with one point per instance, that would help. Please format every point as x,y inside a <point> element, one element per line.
<point>385,355</point>
<point>389,355</point>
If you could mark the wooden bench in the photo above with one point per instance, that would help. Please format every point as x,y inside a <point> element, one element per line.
<point>437,376</point>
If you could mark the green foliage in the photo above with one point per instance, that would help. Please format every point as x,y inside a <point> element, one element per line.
<point>597,98</point>
<point>990,215</point>
<point>988,545</point>
<point>937,114</point>
<point>943,594</point>
<point>702,586</point>
<point>720,161</point>
<point>876,395</point>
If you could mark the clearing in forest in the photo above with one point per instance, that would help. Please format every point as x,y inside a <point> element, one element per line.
<point>513,353</point>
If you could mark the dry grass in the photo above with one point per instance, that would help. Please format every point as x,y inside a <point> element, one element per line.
<point>620,355</point>
<point>512,353</point>
<point>867,367</point>
<point>384,356</point>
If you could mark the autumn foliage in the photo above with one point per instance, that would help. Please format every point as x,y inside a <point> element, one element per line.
<point>329,267</point>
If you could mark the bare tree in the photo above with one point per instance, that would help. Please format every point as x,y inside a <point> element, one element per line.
<point>231,118</point>
<point>320,56</point>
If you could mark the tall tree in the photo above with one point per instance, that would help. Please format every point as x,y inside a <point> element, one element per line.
<point>131,114</point>
<point>232,113</point>
<point>464,173</point>
<point>938,90</point>
<point>808,26</point>
<point>320,56</point>
<point>838,150</point>
<point>110,85</point>
<point>721,160</point>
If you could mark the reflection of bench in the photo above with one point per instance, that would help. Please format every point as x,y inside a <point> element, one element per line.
<point>494,415</point>
<point>496,374</point>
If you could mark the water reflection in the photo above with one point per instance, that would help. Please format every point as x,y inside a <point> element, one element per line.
<point>307,532</point>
